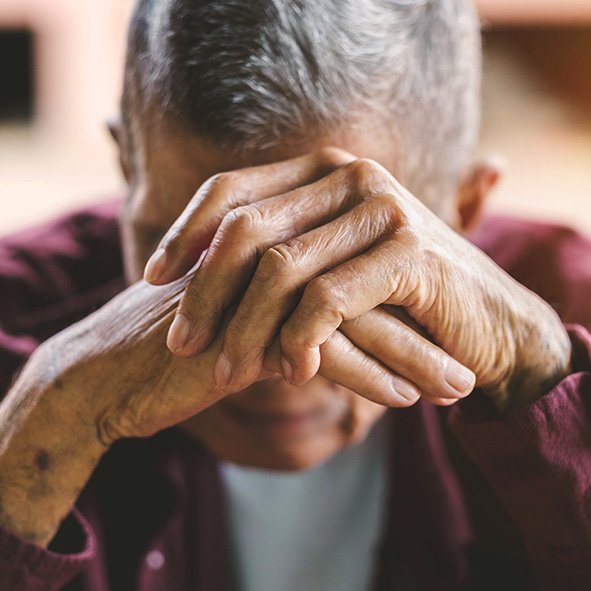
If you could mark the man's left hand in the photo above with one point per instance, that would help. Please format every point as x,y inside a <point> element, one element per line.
<point>352,251</point>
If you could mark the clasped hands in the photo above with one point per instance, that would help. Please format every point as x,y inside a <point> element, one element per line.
<point>321,264</point>
<point>328,265</point>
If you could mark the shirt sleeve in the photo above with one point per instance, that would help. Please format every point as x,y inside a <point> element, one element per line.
<point>538,462</point>
<point>25,566</point>
<point>52,276</point>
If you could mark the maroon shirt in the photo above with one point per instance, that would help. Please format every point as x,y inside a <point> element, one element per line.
<point>475,501</point>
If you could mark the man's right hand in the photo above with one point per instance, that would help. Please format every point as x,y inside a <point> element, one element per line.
<point>136,386</point>
<point>107,377</point>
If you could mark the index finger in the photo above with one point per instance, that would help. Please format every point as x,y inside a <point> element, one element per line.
<point>194,229</point>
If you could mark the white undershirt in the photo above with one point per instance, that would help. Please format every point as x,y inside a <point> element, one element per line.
<point>309,531</point>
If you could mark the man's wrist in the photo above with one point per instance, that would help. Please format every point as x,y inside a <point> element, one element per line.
<point>541,363</point>
<point>48,449</point>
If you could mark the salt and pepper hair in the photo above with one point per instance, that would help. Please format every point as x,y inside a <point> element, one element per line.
<point>248,74</point>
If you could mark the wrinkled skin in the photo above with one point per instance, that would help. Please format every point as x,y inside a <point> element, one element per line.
<point>315,258</point>
<point>340,416</point>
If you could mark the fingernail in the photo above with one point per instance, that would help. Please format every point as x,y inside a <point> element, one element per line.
<point>178,334</point>
<point>223,372</point>
<point>460,378</point>
<point>406,391</point>
<point>287,370</point>
<point>155,266</point>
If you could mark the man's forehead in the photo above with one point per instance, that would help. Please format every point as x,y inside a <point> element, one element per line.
<point>175,162</point>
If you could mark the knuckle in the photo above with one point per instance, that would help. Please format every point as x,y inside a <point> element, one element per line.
<point>245,221</point>
<point>363,170</point>
<point>218,186</point>
<point>322,294</point>
<point>385,206</point>
<point>332,157</point>
<point>279,261</point>
<point>370,178</point>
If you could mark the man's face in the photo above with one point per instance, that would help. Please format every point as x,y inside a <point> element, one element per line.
<point>271,424</point>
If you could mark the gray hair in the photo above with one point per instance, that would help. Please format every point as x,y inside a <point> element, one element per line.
<point>248,74</point>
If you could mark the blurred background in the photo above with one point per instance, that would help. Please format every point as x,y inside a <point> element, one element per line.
<point>61,69</point>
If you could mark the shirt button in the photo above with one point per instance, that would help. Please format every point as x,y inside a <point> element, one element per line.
<point>155,560</point>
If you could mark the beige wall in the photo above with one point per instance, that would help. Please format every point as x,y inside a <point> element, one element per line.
<point>79,45</point>
<point>65,158</point>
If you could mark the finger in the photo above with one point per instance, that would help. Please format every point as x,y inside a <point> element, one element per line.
<point>272,361</point>
<point>346,364</point>
<point>192,232</point>
<point>343,293</point>
<point>404,351</point>
<point>276,286</point>
<point>245,233</point>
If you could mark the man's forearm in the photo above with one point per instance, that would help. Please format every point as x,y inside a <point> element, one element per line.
<point>48,449</point>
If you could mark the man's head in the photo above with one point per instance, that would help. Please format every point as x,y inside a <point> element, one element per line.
<point>214,85</point>
<point>252,74</point>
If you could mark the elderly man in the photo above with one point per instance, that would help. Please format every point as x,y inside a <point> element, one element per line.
<point>231,418</point>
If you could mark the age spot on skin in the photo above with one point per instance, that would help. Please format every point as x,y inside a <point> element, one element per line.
<point>58,384</point>
<point>42,460</point>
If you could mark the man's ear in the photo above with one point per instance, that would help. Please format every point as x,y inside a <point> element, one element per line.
<point>115,127</point>
<point>474,189</point>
